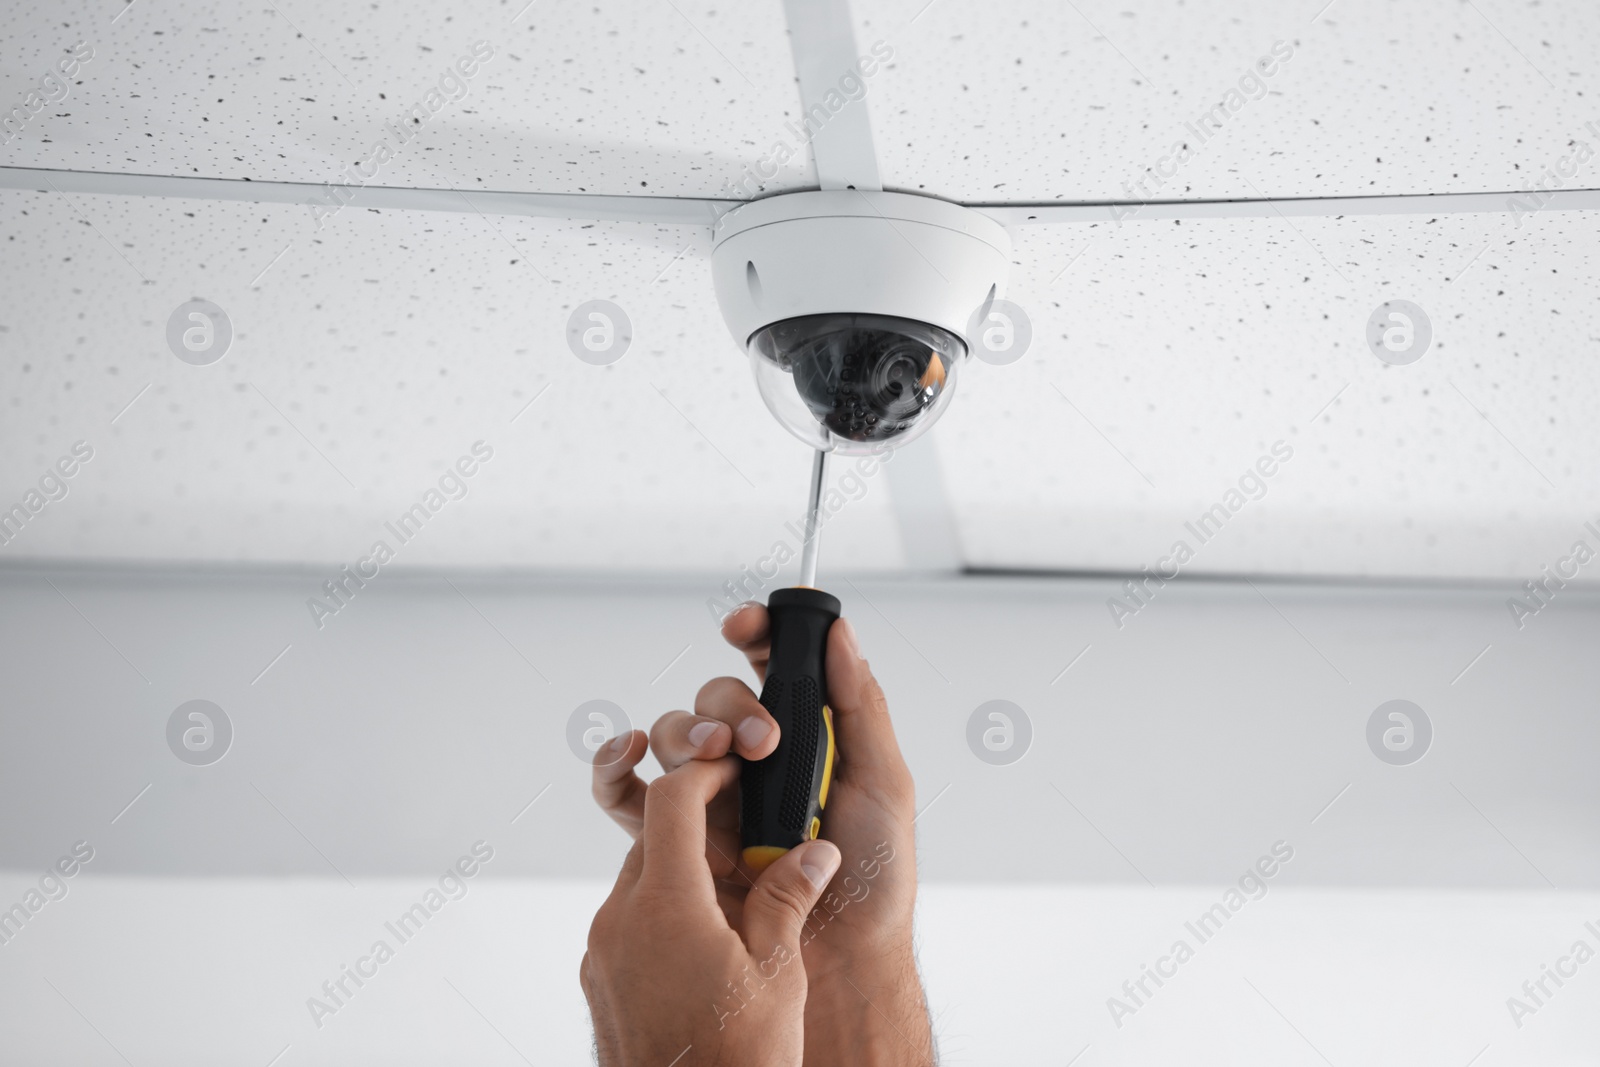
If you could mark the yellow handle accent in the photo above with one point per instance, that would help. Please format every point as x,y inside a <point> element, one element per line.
<point>760,857</point>
<point>827,763</point>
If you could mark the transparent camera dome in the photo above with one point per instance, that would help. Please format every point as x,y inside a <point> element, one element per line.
<point>855,384</point>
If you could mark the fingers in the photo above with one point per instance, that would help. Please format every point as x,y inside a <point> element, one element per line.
<point>749,629</point>
<point>617,789</point>
<point>777,906</point>
<point>868,750</point>
<point>728,700</point>
<point>674,836</point>
<point>678,737</point>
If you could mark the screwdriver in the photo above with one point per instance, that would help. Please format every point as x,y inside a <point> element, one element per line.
<point>782,796</point>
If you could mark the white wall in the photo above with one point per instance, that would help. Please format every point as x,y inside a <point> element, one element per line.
<point>1219,720</point>
<point>205,971</point>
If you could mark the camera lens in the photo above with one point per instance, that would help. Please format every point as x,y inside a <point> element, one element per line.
<point>865,378</point>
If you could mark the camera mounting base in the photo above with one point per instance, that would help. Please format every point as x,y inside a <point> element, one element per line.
<point>856,252</point>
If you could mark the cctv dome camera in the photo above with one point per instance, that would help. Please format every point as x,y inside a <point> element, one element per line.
<point>855,307</point>
<point>863,378</point>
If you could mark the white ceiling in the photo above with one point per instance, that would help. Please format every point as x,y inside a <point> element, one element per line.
<point>626,98</point>
<point>392,342</point>
<point>1192,348</point>
<point>1028,102</point>
<point>370,353</point>
<point>1045,101</point>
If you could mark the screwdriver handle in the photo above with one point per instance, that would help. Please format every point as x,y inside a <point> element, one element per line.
<point>782,796</point>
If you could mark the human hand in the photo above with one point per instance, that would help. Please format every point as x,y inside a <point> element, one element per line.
<point>669,979</point>
<point>864,986</point>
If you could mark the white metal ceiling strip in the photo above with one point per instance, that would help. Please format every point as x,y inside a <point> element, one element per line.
<point>833,106</point>
<point>1048,213</point>
<point>922,507</point>
<point>589,208</point>
<point>669,210</point>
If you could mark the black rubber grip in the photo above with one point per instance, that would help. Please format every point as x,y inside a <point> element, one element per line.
<point>783,794</point>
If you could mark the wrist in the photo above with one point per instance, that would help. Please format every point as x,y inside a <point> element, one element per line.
<point>869,1014</point>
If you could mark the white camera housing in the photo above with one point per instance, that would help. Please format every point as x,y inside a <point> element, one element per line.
<point>861,257</point>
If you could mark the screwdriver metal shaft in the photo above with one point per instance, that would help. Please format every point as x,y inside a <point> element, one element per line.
<point>808,551</point>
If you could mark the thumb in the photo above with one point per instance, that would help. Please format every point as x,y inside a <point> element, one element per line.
<point>784,894</point>
<point>860,712</point>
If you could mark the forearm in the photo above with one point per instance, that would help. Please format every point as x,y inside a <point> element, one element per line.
<point>870,1017</point>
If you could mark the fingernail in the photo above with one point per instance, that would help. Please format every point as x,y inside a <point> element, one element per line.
<point>618,745</point>
<point>850,637</point>
<point>753,731</point>
<point>701,732</point>
<point>819,862</point>
<point>742,607</point>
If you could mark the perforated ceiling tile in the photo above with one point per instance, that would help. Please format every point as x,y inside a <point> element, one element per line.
<point>366,360</point>
<point>629,97</point>
<point>1167,359</point>
<point>1045,101</point>
<point>372,348</point>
